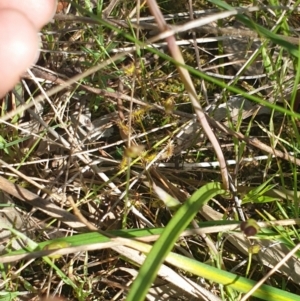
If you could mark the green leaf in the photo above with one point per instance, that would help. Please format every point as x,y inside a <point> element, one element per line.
<point>164,244</point>
<point>260,29</point>
<point>6,296</point>
<point>257,195</point>
<point>230,280</point>
<point>31,246</point>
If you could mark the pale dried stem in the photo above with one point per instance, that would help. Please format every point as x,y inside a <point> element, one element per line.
<point>40,203</point>
<point>186,79</point>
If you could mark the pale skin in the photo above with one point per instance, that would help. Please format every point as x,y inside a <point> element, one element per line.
<point>20,22</point>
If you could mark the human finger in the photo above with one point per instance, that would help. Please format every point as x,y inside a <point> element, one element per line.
<point>37,11</point>
<point>18,47</point>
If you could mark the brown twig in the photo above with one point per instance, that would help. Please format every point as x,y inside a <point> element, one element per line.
<point>185,77</point>
<point>40,203</point>
<point>255,142</point>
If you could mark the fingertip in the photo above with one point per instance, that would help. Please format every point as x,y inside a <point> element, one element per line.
<point>18,47</point>
<point>38,12</point>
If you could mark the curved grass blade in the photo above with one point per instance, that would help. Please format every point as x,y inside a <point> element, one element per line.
<point>230,280</point>
<point>164,244</point>
<point>292,49</point>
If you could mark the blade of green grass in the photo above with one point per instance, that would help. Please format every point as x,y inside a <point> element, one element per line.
<point>241,284</point>
<point>164,244</point>
<point>32,245</point>
<point>261,30</point>
<point>206,77</point>
<point>95,237</point>
<point>230,280</point>
<point>232,89</point>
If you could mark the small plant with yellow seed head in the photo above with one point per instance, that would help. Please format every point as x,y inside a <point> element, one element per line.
<point>124,163</point>
<point>149,157</point>
<point>123,128</point>
<point>129,69</point>
<point>169,105</point>
<point>134,151</point>
<point>168,153</point>
<point>138,115</point>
